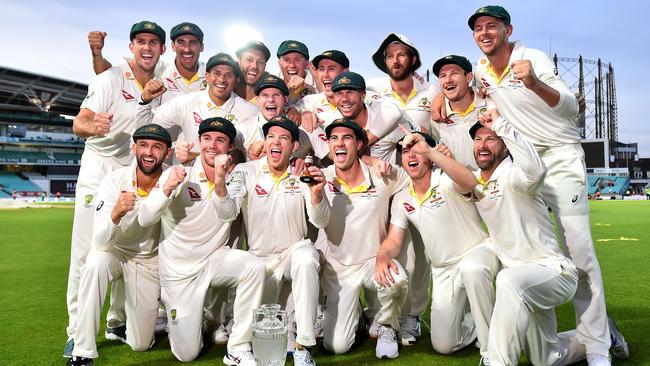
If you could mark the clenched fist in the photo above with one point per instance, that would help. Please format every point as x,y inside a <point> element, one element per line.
<point>152,90</point>
<point>523,70</point>
<point>183,151</point>
<point>125,203</point>
<point>102,123</point>
<point>176,177</point>
<point>222,164</point>
<point>96,42</point>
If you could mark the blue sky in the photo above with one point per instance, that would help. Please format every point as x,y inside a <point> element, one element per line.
<point>49,37</point>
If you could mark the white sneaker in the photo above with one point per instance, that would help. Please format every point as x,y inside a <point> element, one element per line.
<point>619,348</point>
<point>484,362</point>
<point>409,330</point>
<point>220,335</point>
<point>318,325</point>
<point>386,342</point>
<point>161,321</point>
<point>598,360</point>
<point>302,357</point>
<point>242,358</point>
<point>373,329</point>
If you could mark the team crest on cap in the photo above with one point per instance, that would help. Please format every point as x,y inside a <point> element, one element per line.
<point>149,26</point>
<point>216,124</point>
<point>186,28</point>
<point>481,10</point>
<point>292,45</point>
<point>270,78</point>
<point>277,119</point>
<point>150,129</point>
<point>224,58</point>
<point>328,53</point>
<point>344,80</point>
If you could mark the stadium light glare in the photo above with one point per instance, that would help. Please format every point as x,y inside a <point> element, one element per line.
<point>238,34</point>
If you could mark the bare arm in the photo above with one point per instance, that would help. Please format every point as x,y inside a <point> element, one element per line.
<point>96,43</point>
<point>88,123</point>
<point>390,248</point>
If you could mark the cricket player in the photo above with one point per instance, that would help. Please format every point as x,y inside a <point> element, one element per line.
<point>188,111</point>
<point>536,276</point>
<point>464,108</point>
<point>252,58</point>
<point>106,120</point>
<point>193,252</point>
<point>273,202</point>
<point>293,58</point>
<point>524,85</point>
<point>462,259</point>
<point>358,200</point>
<point>185,74</point>
<point>122,250</point>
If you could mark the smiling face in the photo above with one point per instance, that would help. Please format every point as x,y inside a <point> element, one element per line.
<point>416,165</point>
<point>146,49</point>
<point>279,146</point>
<point>399,61</point>
<point>491,34</point>
<point>221,79</point>
<point>349,102</point>
<point>214,143</point>
<point>293,63</point>
<point>344,147</point>
<point>489,149</point>
<point>271,102</point>
<point>187,48</point>
<point>326,72</point>
<point>252,63</point>
<point>454,82</point>
<point>150,155</point>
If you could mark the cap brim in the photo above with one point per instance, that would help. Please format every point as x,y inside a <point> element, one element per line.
<point>378,56</point>
<point>152,137</point>
<point>472,131</point>
<point>261,48</point>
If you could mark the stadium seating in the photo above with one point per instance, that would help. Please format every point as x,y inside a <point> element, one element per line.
<point>37,157</point>
<point>606,184</point>
<point>10,181</point>
<point>67,156</point>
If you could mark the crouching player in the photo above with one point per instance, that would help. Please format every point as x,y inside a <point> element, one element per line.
<point>123,250</point>
<point>463,263</point>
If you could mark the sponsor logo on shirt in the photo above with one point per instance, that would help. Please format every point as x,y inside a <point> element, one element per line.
<point>92,92</point>
<point>171,85</point>
<point>101,204</point>
<point>332,188</point>
<point>127,97</point>
<point>574,199</point>
<point>261,192</point>
<point>322,136</point>
<point>194,195</point>
<point>197,118</point>
<point>408,207</point>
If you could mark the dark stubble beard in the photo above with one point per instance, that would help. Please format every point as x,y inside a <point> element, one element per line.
<point>153,169</point>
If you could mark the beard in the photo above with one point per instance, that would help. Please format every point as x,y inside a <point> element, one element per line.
<point>157,166</point>
<point>399,75</point>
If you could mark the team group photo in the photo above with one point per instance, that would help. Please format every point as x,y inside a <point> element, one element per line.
<point>307,198</point>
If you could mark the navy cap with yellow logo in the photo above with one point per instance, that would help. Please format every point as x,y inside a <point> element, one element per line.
<point>379,56</point>
<point>293,46</point>
<point>153,131</point>
<point>452,59</point>
<point>348,123</point>
<point>222,59</point>
<point>271,81</point>
<point>283,122</point>
<point>334,55</point>
<point>495,11</point>
<point>146,26</point>
<point>427,138</point>
<point>218,124</point>
<point>254,45</point>
<point>348,80</point>
<point>186,28</point>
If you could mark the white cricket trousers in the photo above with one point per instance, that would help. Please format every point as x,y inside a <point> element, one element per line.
<point>298,265</point>
<point>342,285</point>
<point>524,316</point>
<point>462,299</point>
<point>93,168</point>
<point>565,191</point>
<point>184,301</point>
<point>142,288</point>
<point>417,268</point>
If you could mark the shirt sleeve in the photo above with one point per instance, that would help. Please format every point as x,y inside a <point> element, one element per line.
<point>104,230</point>
<point>530,175</point>
<point>546,72</point>
<point>397,216</point>
<point>228,207</point>
<point>391,116</point>
<point>101,94</point>
<point>156,203</point>
<point>166,116</point>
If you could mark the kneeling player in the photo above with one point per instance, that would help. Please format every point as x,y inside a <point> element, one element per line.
<point>462,260</point>
<point>193,251</point>
<point>123,250</point>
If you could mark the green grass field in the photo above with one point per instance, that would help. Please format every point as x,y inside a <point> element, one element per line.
<point>35,248</point>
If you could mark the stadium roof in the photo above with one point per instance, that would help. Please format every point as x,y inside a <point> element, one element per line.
<point>22,91</point>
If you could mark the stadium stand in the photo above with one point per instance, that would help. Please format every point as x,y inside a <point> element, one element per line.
<point>10,181</point>
<point>607,185</point>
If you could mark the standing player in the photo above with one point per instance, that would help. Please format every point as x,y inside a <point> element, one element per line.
<point>454,74</point>
<point>106,121</point>
<point>462,260</point>
<point>122,250</point>
<point>358,200</point>
<point>293,58</point>
<point>524,85</point>
<point>252,58</point>
<point>195,222</point>
<point>188,111</point>
<point>273,202</point>
<point>536,276</point>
